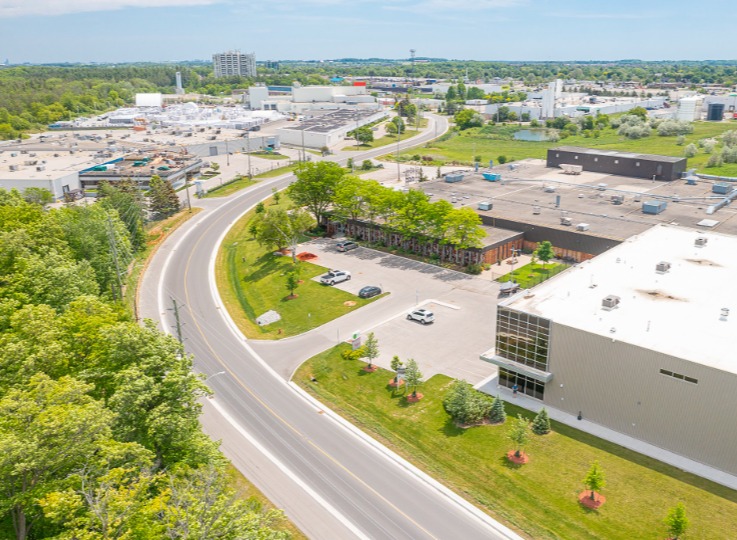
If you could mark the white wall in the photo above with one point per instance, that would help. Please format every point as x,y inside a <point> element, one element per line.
<point>149,100</point>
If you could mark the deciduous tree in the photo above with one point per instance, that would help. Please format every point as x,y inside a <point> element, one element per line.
<point>316,186</point>
<point>519,433</point>
<point>594,479</point>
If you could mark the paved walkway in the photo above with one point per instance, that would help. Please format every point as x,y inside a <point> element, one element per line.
<point>491,386</point>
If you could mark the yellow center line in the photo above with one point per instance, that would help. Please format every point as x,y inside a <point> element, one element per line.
<point>267,407</point>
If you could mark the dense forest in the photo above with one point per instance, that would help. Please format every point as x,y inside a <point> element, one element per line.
<point>32,97</point>
<point>99,415</point>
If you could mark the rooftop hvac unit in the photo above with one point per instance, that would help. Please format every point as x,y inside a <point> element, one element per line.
<point>617,199</point>
<point>701,241</point>
<point>601,187</point>
<point>536,210</point>
<point>14,167</point>
<point>582,227</point>
<point>721,189</point>
<point>41,168</point>
<point>485,205</point>
<point>653,207</point>
<point>610,302</point>
<point>549,189</point>
<point>662,267</point>
<point>566,221</point>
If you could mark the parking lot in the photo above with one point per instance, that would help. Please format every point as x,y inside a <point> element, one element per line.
<point>464,307</point>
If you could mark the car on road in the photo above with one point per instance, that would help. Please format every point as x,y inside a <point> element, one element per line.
<point>369,291</point>
<point>346,245</point>
<point>335,276</point>
<point>424,316</point>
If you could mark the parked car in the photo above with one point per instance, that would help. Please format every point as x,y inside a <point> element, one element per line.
<point>335,276</point>
<point>346,245</point>
<point>423,315</point>
<point>369,291</point>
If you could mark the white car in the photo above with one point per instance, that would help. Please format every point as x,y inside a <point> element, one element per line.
<point>335,276</point>
<point>423,315</point>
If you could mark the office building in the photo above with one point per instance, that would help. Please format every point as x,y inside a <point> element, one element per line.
<point>234,63</point>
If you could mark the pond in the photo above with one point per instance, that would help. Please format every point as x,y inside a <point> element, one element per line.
<point>534,135</point>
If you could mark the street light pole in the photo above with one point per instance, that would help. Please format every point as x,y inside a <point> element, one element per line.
<point>399,137</point>
<point>227,153</point>
<point>248,152</point>
<point>303,145</point>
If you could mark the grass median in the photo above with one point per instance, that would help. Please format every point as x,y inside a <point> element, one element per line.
<point>538,499</point>
<point>531,274</point>
<point>252,280</point>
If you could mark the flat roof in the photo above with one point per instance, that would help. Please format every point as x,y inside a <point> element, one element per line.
<point>615,153</point>
<point>44,165</point>
<point>528,194</point>
<point>333,120</point>
<point>677,313</point>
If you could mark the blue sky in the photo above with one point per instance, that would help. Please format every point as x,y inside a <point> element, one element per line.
<point>172,30</point>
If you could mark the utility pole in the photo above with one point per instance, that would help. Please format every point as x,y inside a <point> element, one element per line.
<point>179,323</point>
<point>399,136</point>
<point>227,153</point>
<point>303,145</point>
<point>186,185</point>
<point>114,252</point>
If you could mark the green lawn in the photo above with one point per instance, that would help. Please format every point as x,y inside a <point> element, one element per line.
<point>461,145</point>
<point>229,188</point>
<point>530,275</point>
<point>277,172</point>
<point>251,280</point>
<point>269,155</point>
<point>539,498</point>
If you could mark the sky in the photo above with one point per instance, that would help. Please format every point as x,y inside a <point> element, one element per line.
<point>48,31</point>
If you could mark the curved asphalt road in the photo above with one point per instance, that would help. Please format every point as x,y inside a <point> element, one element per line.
<point>330,482</point>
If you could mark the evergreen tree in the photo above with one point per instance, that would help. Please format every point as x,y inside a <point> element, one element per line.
<point>541,423</point>
<point>396,364</point>
<point>497,415</point>
<point>163,200</point>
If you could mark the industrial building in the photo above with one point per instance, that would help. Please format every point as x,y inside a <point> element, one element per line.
<point>620,163</point>
<point>329,129</point>
<point>55,170</point>
<point>638,340</point>
<point>232,63</point>
<point>174,167</point>
<point>300,99</point>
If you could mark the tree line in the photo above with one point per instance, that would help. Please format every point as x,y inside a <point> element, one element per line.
<point>408,220</point>
<point>99,415</point>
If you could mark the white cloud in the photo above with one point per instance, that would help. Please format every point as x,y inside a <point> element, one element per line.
<point>605,16</point>
<point>19,8</point>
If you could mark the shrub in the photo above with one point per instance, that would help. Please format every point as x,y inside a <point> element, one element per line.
<point>466,405</point>
<point>708,145</point>
<point>715,160</point>
<point>729,154</point>
<point>473,269</point>
<point>690,150</point>
<point>729,138</point>
<point>501,160</point>
<point>674,127</point>
<point>681,140</point>
<point>367,165</point>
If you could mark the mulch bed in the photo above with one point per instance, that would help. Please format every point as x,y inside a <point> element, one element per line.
<point>415,399</point>
<point>521,460</point>
<point>395,385</point>
<point>585,499</point>
<point>306,256</point>
<point>370,369</point>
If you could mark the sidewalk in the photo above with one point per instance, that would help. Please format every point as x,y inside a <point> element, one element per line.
<point>490,386</point>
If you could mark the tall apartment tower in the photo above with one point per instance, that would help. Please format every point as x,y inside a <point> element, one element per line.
<point>180,89</point>
<point>234,63</point>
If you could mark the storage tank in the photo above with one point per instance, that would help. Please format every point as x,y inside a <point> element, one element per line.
<point>715,112</point>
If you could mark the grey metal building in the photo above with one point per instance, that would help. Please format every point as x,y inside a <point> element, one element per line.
<point>638,339</point>
<point>620,163</point>
<point>234,63</point>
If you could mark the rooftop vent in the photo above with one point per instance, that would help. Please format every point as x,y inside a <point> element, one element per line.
<point>582,227</point>
<point>700,241</point>
<point>566,221</point>
<point>535,209</point>
<point>724,314</point>
<point>662,267</point>
<point>617,199</point>
<point>14,167</point>
<point>610,302</point>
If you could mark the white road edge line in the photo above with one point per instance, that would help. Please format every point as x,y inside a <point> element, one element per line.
<point>406,465</point>
<point>381,449</point>
<point>231,325</point>
<point>286,470</point>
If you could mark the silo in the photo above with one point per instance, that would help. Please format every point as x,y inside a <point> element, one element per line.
<point>715,112</point>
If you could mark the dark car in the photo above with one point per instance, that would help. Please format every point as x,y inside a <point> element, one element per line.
<point>369,291</point>
<point>347,245</point>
